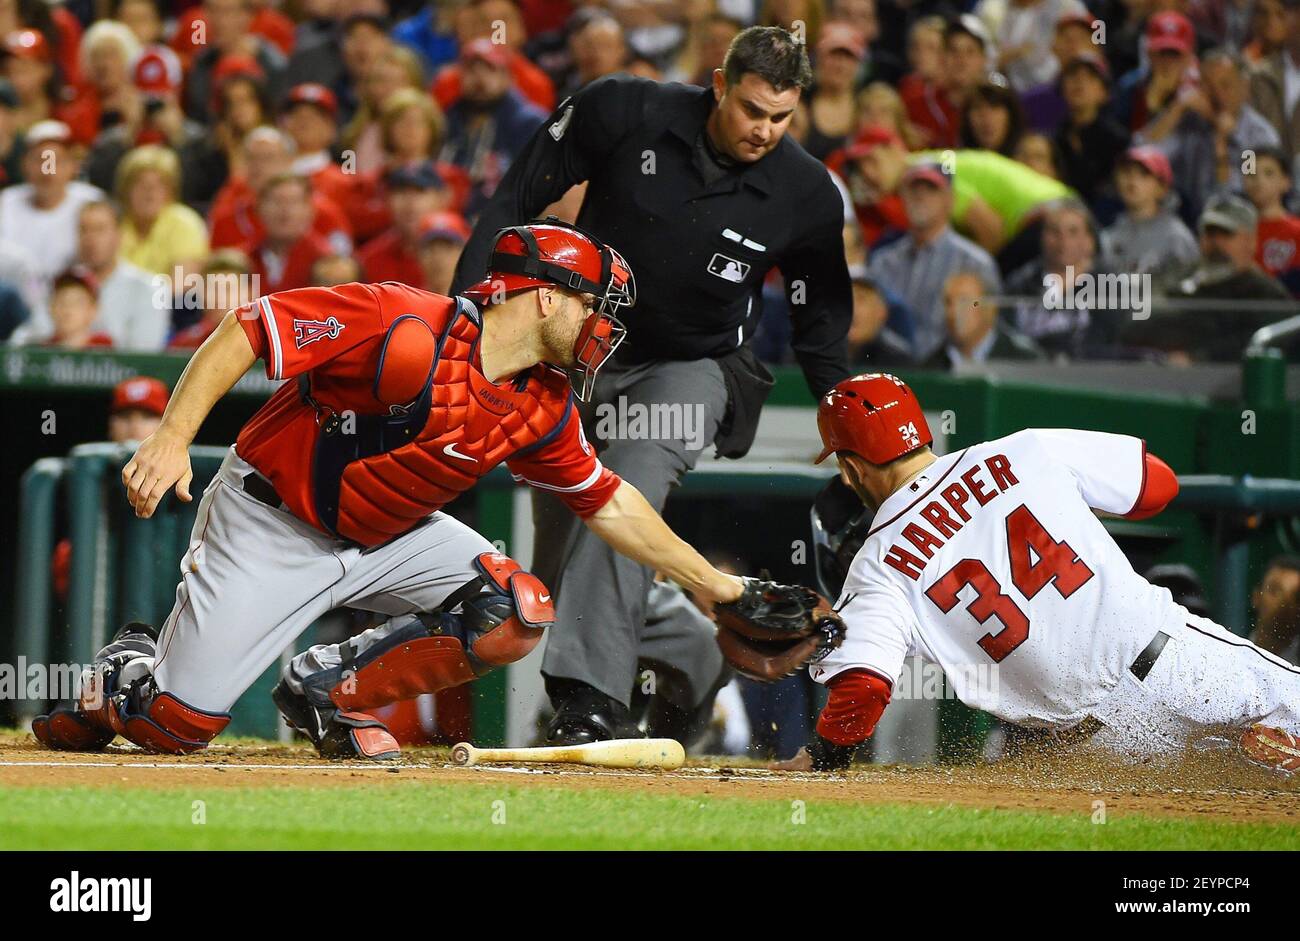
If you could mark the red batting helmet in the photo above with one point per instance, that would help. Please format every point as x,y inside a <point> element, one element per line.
<point>875,416</point>
<point>552,252</point>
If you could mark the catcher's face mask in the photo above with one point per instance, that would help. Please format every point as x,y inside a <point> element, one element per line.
<point>555,252</point>
<point>602,331</point>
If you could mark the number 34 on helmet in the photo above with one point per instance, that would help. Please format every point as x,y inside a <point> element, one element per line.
<point>873,415</point>
<point>553,252</point>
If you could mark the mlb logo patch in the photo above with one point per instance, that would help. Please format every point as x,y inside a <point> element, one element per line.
<point>728,269</point>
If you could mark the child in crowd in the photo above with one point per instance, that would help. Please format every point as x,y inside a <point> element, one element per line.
<point>1148,237</point>
<point>74,305</point>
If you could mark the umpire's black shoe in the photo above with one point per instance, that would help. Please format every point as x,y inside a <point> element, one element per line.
<point>584,714</point>
<point>335,734</point>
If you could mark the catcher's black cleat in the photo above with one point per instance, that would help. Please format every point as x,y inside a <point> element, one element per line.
<point>584,714</point>
<point>86,724</point>
<point>336,734</point>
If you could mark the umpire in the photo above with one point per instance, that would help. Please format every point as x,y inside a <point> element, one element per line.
<point>703,194</point>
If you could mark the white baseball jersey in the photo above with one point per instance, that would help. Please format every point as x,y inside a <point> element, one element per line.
<point>992,564</point>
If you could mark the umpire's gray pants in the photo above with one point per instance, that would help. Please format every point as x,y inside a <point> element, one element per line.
<point>602,607</point>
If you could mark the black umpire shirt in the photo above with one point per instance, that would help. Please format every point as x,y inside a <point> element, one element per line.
<point>699,231</point>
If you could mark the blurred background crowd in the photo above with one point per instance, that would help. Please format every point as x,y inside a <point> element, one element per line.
<point>981,147</point>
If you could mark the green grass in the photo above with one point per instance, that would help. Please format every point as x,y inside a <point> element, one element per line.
<point>417,815</point>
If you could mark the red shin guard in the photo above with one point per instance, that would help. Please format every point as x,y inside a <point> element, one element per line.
<point>170,726</point>
<point>418,666</point>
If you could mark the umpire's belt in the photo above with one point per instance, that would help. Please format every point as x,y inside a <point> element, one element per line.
<point>1148,657</point>
<point>262,490</point>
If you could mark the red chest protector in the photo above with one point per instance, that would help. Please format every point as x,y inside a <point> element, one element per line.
<point>394,470</point>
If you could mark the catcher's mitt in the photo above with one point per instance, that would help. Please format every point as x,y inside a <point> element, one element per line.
<point>773,629</point>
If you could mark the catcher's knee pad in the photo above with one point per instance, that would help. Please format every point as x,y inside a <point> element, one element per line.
<point>494,619</point>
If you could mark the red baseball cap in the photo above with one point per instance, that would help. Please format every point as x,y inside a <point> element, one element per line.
<point>143,392</point>
<point>444,224</point>
<point>1170,30</point>
<point>28,44</point>
<point>237,65</point>
<point>485,50</point>
<point>1151,160</point>
<point>313,93</point>
<point>158,71</point>
<point>842,37</point>
<point>871,137</point>
<point>929,172</point>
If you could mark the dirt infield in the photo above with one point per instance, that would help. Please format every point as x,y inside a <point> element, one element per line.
<point>1213,786</point>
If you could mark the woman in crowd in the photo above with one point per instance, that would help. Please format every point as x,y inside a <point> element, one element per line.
<point>159,233</point>
<point>992,120</point>
<point>832,103</point>
<point>411,127</point>
<point>363,135</point>
<point>880,105</point>
<point>239,104</point>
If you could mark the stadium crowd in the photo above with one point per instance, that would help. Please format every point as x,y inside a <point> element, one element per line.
<point>983,150</point>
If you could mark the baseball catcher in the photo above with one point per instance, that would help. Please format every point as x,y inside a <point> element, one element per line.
<point>993,564</point>
<point>395,402</point>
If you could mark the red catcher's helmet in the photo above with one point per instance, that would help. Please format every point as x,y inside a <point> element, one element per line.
<point>552,252</point>
<point>875,416</point>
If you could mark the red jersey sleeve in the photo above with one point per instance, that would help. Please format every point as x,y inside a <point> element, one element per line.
<point>294,331</point>
<point>565,464</point>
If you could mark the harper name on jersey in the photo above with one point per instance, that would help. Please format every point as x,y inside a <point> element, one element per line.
<point>928,528</point>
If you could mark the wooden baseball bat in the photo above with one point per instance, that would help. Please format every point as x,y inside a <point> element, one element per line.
<point>663,753</point>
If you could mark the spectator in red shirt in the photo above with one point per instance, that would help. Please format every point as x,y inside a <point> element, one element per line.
<point>310,117</point>
<point>967,59</point>
<point>73,309</point>
<point>1278,234</point>
<point>136,408</point>
<point>134,413</point>
<point>225,285</point>
<point>267,22</point>
<point>283,259</point>
<point>268,152</point>
<point>879,212</point>
<point>413,193</point>
<point>107,94</point>
<point>924,57</point>
<point>479,19</point>
<point>229,32</point>
<point>156,117</point>
<point>29,66</point>
<point>442,237</point>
